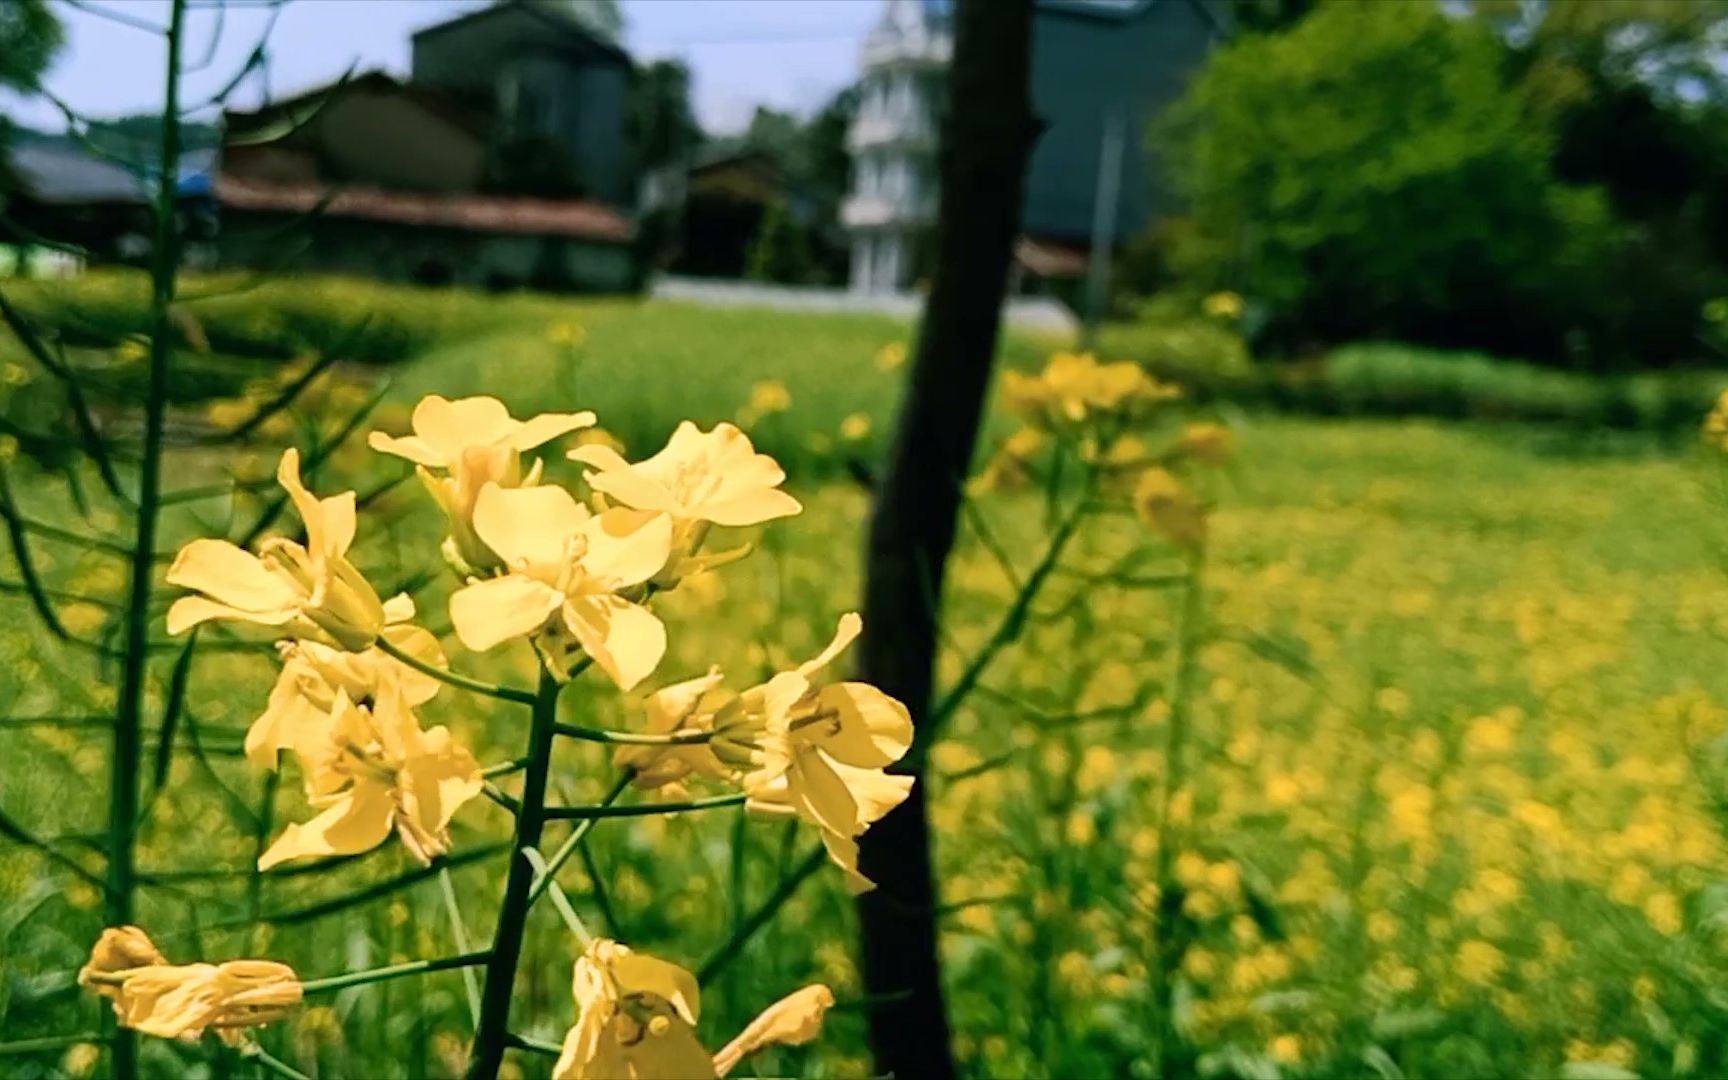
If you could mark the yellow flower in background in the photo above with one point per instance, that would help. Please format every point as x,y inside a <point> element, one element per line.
<point>1223,305</point>
<point>1207,443</point>
<point>313,675</point>
<point>1010,467</point>
<point>309,591</point>
<point>566,566</point>
<point>714,476</point>
<point>566,333</point>
<point>132,349</point>
<point>182,1001</point>
<point>891,357</point>
<point>458,447</point>
<point>636,1018</point>
<point>1169,508</point>
<point>820,753</point>
<point>1074,388</point>
<point>1716,423</point>
<point>855,427</point>
<point>372,769</point>
<point>769,396</point>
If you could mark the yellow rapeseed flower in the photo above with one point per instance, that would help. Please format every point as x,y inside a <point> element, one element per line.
<point>314,674</point>
<point>891,357</point>
<point>855,427</point>
<point>565,567</point>
<point>636,1017</point>
<point>458,447</point>
<point>1169,508</point>
<point>309,591</point>
<point>1223,305</point>
<point>371,769</point>
<point>712,476</point>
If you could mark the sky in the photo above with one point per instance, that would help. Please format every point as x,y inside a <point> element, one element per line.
<point>789,54</point>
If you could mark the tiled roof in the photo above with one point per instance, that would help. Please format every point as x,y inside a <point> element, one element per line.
<point>581,219</point>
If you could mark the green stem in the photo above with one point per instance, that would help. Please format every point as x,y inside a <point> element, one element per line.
<point>129,717</point>
<point>584,813</point>
<point>1169,944</point>
<point>746,930</point>
<point>477,686</point>
<point>574,840</point>
<point>632,738</point>
<point>459,931</point>
<point>494,1025</point>
<point>46,1043</point>
<point>394,971</point>
<point>272,1065</point>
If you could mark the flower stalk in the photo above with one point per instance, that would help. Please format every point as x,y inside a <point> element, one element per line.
<point>491,1033</point>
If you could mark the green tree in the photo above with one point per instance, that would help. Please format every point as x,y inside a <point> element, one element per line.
<point>1371,172</point>
<point>664,129</point>
<point>30,36</point>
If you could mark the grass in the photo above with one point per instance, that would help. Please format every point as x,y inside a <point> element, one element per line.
<point>1455,736</point>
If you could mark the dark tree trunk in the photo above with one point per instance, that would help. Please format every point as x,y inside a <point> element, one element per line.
<point>986,140</point>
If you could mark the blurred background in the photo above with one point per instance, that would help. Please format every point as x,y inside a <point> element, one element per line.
<point>1454,275</point>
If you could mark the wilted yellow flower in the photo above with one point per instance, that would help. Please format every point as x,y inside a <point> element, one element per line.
<point>181,1001</point>
<point>371,769</point>
<point>1223,305</point>
<point>1170,508</point>
<point>714,476</point>
<point>636,1018</point>
<point>891,357</point>
<point>473,442</point>
<point>856,426</point>
<point>820,754</point>
<point>566,562</point>
<point>310,591</point>
<point>314,674</point>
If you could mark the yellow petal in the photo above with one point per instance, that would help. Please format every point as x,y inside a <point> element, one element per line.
<point>230,575</point>
<point>286,712</point>
<point>792,1021</point>
<point>638,973</point>
<point>625,639</point>
<point>170,1002</point>
<point>548,426</point>
<point>357,821</point>
<point>751,508</point>
<point>873,730</point>
<point>843,852</point>
<point>435,782</point>
<point>623,549</point>
<point>600,457</point>
<point>189,611</point>
<point>821,795</point>
<point>447,426</point>
<point>420,644</point>
<point>493,611</point>
<point>399,608</point>
<point>851,625</point>
<point>412,447</point>
<point>528,527</point>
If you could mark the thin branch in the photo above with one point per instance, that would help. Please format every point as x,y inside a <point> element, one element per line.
<point>463,682</point>
<point>94,445</point>
<point>394,971</point>
<point>377,889</point>
<point>19,834</point>
<point>577,835</point>
<point>459,931</point>
<point>729,950</point>
<point>117,17</point>
<point>602,810</point>
<point>691,737</point>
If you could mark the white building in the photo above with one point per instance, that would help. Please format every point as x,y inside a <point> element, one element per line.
<point>893,143</point>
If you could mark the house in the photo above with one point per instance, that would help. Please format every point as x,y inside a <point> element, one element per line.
<point>1101,69</point>
<point>727,193</point>
<point>501,161</point>
<point>65,194</point>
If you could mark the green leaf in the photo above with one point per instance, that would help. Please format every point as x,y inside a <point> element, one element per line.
<point>1595,1070</point>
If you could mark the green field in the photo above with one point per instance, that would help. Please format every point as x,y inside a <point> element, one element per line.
<point>1457,739</point>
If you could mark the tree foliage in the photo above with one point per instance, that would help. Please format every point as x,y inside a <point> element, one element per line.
<point>1369,173</point>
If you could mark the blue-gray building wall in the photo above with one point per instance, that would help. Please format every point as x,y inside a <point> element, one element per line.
<point>1088,65</point>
